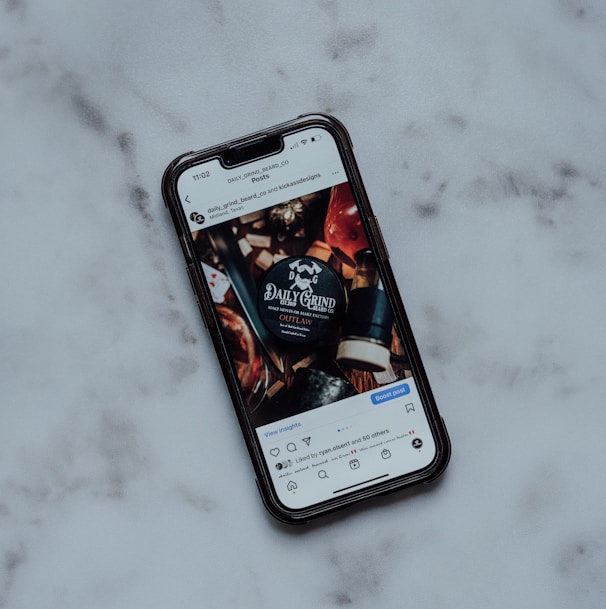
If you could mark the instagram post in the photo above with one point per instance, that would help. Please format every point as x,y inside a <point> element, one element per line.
<point>302,307</point>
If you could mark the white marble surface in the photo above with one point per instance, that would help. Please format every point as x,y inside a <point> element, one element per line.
<point>480,129</point>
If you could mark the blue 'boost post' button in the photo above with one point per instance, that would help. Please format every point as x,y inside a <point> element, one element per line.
<point>390,394</point>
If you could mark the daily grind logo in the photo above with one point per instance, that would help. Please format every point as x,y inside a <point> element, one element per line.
<point>301,299</point>
<point>305,277</point>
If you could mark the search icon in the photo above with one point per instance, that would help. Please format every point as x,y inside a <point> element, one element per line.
<point>322,474</point>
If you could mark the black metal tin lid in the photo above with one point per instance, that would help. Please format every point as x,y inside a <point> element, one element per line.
<point>301,300</point>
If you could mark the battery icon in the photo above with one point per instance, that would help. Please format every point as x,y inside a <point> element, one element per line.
<point>316,138</point>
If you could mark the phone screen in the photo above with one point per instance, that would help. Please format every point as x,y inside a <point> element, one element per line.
<point>303,313</point>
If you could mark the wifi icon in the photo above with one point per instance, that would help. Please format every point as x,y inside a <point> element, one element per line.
<point>303,142</point>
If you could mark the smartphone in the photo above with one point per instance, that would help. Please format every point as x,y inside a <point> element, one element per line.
<point>293,281</point>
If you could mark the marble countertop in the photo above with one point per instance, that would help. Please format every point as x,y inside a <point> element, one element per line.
<point>480,130</point>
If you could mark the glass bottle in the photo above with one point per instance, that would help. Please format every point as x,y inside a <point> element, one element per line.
<point>343,229</point>
<point>366,333</point>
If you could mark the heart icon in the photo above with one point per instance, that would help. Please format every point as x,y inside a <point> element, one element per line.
<point>274,452</point>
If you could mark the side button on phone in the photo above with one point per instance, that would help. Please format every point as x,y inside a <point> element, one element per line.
<point>378,235</point>
<point>193,287</point>
<point>186,249</point>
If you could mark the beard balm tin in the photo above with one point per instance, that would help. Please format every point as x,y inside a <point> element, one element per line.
<point>301,300</point>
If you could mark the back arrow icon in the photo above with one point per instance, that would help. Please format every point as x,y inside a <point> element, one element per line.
<point>187,199</point>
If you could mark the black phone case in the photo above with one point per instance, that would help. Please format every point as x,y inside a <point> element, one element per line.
<point>233,152</point>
